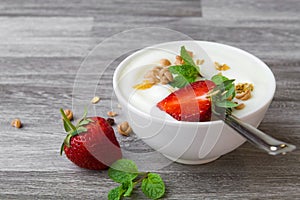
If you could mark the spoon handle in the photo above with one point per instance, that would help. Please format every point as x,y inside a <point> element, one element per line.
<point>257,137</point>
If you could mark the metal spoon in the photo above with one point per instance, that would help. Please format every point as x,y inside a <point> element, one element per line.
<point>257,137</point>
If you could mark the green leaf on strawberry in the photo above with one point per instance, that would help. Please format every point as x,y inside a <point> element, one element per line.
<point>66,126</point>
<point>71,129</point>
<point>67,123</point>
<point>84,122</point>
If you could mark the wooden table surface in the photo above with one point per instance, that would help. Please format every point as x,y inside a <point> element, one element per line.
<point>43,44</point>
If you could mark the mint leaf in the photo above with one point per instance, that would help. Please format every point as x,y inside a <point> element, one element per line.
<point>115,194</point>
<point>187,71</point>
<point>129,187</point>
<point>179,82</point>
<point>123,170</point>
<point>222,82</point>
<point>125,189</point>
<point>185,74</point>
<point>226,88</point>
<point>153,186</point>
<point>186,57</point>
<point>226,104</point>
<point>227,84</point>
<point>230,92</point>
<point>219,79</point>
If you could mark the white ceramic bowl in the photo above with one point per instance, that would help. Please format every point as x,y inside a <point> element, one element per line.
<point>191,142</point>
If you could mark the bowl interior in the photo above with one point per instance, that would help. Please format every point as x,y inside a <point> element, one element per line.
<point>244,67</point>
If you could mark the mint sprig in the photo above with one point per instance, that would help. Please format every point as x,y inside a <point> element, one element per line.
<point>219,79</point>
<point>153,185</point>
<point>186,57</point>
<point>185,73</point>
<point>221,96</point>
<point>116,193</point>
<point>223,93</point>
<point>125,171</point>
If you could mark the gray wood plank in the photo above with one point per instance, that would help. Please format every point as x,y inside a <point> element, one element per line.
<point>42,45</point>
<point>116,8</point>
<point>262,37</point>
<point>256,9</point>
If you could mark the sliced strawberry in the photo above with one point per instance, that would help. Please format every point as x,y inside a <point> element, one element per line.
<point>189,103</point>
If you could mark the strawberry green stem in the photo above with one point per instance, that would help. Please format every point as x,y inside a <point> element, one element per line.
<point>62,148</point>
<point>68,122</point>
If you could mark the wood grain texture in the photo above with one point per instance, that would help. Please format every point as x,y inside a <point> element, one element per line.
<point>256,9</point>
<point>113,8</point>
<point>42,45</point>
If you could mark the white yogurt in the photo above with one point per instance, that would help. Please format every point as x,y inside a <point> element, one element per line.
<point>243,69</point>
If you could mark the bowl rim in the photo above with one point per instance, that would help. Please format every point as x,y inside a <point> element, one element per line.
<point>123,100</point>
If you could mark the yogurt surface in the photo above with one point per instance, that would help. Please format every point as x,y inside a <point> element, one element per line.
<point>242,69</point>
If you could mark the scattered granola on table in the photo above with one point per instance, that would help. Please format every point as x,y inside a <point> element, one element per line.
<point>95,100</point>
<point>112,114</point>
<point>16,123</point>
<point>69,114</point>
<point>124,128</point>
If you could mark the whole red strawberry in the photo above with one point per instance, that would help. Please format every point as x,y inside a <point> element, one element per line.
<point>91,144</point>
<point>189,103</point>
